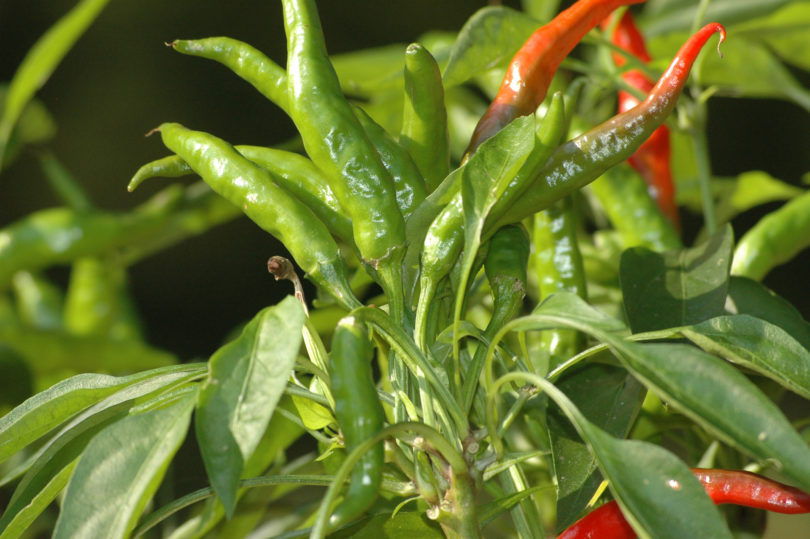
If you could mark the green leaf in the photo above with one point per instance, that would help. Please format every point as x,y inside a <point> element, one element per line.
<point>746,296</point>
<point>676,288</point>
<point>41,60</point>
<point>569,306</point>
<point>121,469</point>
<point>610,398</point>
<point>313,415</point>
<point>757,345</point>
<point>749,69</point>
<point>403,525</point>
<point>488,39</point>
<point>665,16</point>
<point>658,494</point>
<point>50,408</point>
<point>785,31</point>
<point>46,466</point>
<point>751,189</point>
<point>35,125</point>
<point>22,518</point>
<point>367,72</point>
<point>720,399</point>
<point>247,378</point>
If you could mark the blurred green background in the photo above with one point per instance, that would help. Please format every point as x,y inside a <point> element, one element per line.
<point>120,81</point>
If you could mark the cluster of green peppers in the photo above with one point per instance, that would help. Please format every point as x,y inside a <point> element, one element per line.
<point>397,204</point>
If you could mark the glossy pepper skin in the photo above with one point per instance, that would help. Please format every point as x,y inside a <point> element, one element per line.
<point>722,486</point>
<point>337,143</point>
<point>424,117</point>
<point>584,158</point>
<point>291,171</point>
<point>359,414</point>
<point>530,72</point>
<point>251,188</point>
<point>244,60</point>
<point>774,240</point>
<point>652,159</point>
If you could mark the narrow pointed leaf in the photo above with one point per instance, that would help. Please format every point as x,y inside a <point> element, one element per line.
<point>247,378</point>
<point>48,409</point>
<point>721,399</point>
<point>757,345</point>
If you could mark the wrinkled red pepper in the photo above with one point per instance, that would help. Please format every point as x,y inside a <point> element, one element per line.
<point>530,72</point>
<point>652,159</point>
<point>722,486</point>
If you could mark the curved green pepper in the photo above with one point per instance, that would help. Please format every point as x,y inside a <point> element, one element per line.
<point>291,171</point>
<point>251,188</point>
<point>359,414</point>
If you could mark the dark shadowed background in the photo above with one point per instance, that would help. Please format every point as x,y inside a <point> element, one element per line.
<point>120,81</point>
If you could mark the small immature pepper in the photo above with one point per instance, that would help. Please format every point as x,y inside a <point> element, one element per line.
<point>723,486</point>
<point>652,159</point>
<point>530,72</point>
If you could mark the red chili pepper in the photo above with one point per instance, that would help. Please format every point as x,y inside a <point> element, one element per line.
<point>752,490</point>
<point>722,486</point>
<point>530,72</point>
<point>652,159</point>
<point>586,157</point>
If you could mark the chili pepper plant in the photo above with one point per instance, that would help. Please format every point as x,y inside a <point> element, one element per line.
<point>507,329</point>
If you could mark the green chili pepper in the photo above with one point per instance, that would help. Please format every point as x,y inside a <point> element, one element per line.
<point>244,60</point>
<point>359,414</point>
<point>251,188</point>
<point>505,267</point>
<point>584,158</point>
<point>632,211</point>
<point>337,144</point>
<point>291,171</point>
<point>774,240</point>
<point>424,117</point>
<point>408,183</point>
<point>445,237</point>
<point>558,264</point>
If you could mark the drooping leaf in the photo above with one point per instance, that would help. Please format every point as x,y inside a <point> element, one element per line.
<point>658,494</point>
<point>784,31</point>
<point>367,72</point>
<point>48,409</point>
<point>45,468</point>
<point>121,469</point>
<point>757,345</point>
<point>610,398</point>
<point>664,16</point>
<point>720,399</point>
<point>247,378</point>
<point>746,296</point>
<point>676,288</point>
<point>489,38</point>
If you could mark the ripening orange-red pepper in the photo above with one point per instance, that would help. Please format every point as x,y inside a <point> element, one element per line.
<point>652,159</point>
<point>530,72</point>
